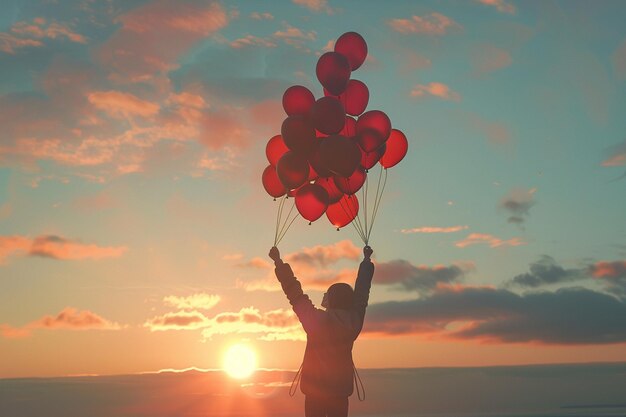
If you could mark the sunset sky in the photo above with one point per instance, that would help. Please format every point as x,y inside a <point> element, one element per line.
<point>134,228</point>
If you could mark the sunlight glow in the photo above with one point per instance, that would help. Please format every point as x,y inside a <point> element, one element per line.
<point>239,361</point>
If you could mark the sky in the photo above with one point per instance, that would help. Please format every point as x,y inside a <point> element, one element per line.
<point>134,228</point>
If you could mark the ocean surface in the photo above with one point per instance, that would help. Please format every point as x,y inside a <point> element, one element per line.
<point>588,390</point>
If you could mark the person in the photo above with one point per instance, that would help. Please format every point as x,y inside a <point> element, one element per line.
<point>327,369</point>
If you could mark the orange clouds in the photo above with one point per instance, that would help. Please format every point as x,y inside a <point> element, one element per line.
<point>154,36</point>
<point>500,5</point>
<point>486,239</point>
<point>435,89</point>
<point>315,5</point>
<point>488,58</point>
<point>200,300</point>
<point>181,320</point>
<point>119,104</point>
<point>250,40</point>
<point>605,269</point>
<point>432,24</point>
<point>24,34</point>
<point>434,229</point>
<point>68,319</point>
<point>55,247</point>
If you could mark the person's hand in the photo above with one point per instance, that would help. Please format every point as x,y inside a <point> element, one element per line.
<point>367,252</point>
<point>274,254</point>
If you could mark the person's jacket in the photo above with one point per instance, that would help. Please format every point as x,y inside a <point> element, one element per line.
<point>327,368</point>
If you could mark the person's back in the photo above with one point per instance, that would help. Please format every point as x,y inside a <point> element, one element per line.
<point>327,369</point>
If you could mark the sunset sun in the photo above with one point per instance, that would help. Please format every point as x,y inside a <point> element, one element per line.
<point>239,361</point>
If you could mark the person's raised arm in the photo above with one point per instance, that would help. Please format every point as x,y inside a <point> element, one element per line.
<point>362,286</point>
<point>301,303</point>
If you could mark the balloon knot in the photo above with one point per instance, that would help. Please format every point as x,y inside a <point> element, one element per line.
<point>337,229</point>
<point>274,198</point>
<point>309,223</point>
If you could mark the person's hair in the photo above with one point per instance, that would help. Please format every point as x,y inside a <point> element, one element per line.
<point>340,295</point>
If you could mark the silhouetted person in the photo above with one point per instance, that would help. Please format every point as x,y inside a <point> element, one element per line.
<point>327,369</point>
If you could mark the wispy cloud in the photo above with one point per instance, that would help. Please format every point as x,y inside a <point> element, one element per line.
<point>33,34</point>
<point>435,24</point>
<point>486,58</point>
<point>434,229</point>
<point>261,16</point>
<point>616,155</point>
<point>518,203</point>
<point>315,5</point>
<point>68,319</point>
<point>489,240</point>
<point>435,89</point>
<point>201,301</point>
<point>619,61</point>
<point>500,5</point>
<point>56,247</point>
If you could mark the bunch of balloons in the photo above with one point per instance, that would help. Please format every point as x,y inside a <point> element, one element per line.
<point>328,145</point>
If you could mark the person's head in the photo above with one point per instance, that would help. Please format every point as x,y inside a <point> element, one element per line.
<point>338,296</point>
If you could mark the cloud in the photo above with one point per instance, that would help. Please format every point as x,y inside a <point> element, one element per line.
<point>435,24</point>
<point>191,302</point>
<point>616,155</point>
<point>31,34</point>
<point>155,35</point>
<point>619,61</point>
<point>68,319</point>
<point>120,104</point>
<point>295,37</point>
<point>613,275</point>
<point>403,274</point>
<point>501,5</point>
<point>487,239</point>
<point>434,229</point>
<point>316,6</point>
<point>56,247</point>
<point>496,132</point>
<point>312,265</point>
<point>435,89</point>
<point>261,16</point>
<point>250,40</point>
<point>277,324</point>
<point>323,255</point>
<point>181,320</point>
<point>501,316</point>
<point>518,203</point>
<point>411,61</point>
<point>545,272</point>
<point>488,58</point>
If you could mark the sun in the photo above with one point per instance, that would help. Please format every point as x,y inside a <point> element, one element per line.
<point>239,361</point>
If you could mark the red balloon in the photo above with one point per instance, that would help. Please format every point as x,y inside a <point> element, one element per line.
<point>354,47</point>
<point>374,119</point>
<point>369,139</point>
<point>292,169</point>
<point>369,159</point>
<point>353,183</point>
<point>275,149</point>
<point>298,134</point>
<point>272,183</point>
<point>344,211</point>
<point>334,193</point>
<point>349,129</point>
<point>397,146</point>
<point>355,98</point>
<point>315,159</point>
<point>340,155</point>
<point>297,100</point>
<point>333,72</point>
<point>313,175</point>
<point>328,115</point>
<point>311,201</point>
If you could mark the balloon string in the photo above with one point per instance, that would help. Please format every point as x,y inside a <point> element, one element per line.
<point>378,199</point>
<point>287,223</point>
<point>346,208</point>
<point>278,217</point>
<point>365,197</point>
